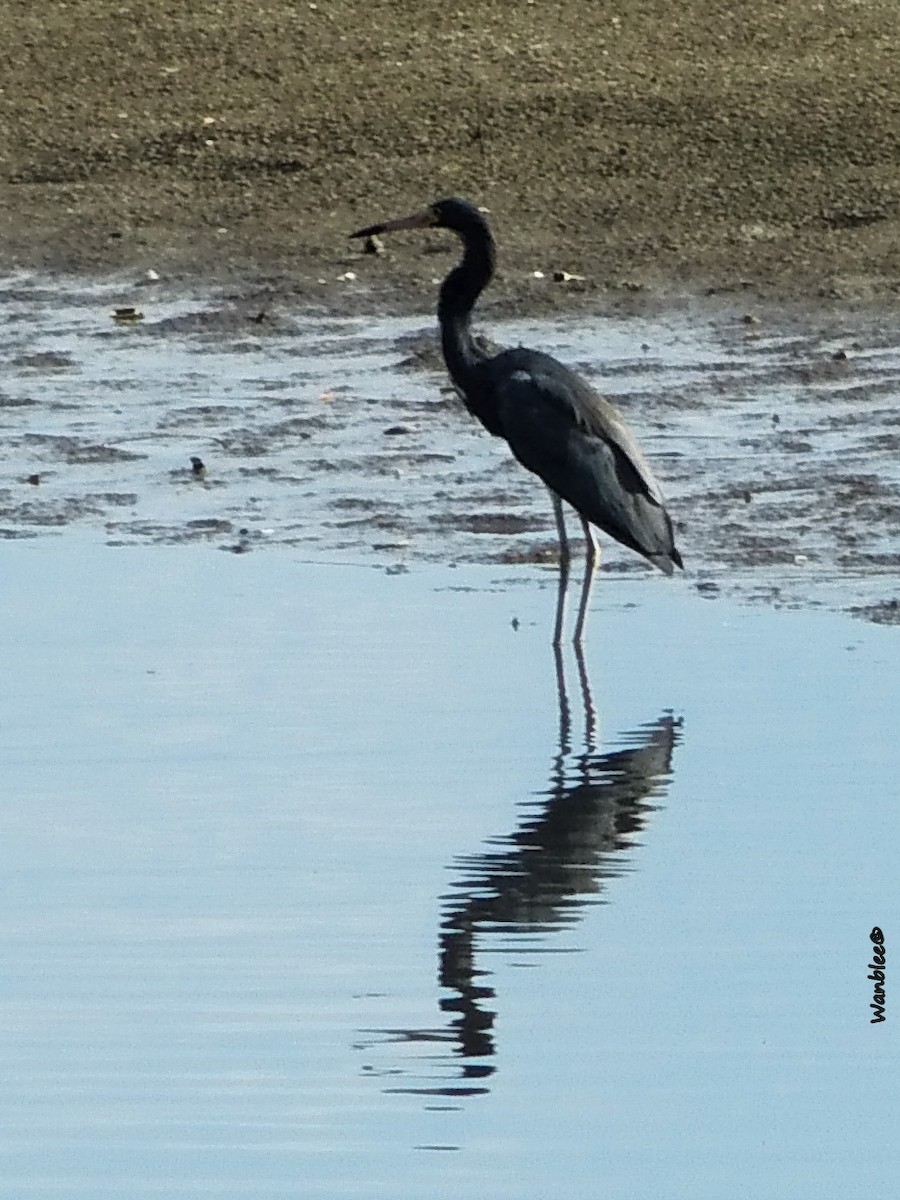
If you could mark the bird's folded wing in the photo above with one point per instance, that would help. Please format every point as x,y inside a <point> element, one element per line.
<point>546,409</point>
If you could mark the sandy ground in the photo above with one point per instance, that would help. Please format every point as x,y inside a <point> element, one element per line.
<point>652,145</point>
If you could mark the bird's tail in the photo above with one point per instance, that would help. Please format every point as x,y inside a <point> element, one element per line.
<point>666,562</point>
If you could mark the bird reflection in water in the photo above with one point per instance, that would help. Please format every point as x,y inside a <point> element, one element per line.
<point>574,838</point>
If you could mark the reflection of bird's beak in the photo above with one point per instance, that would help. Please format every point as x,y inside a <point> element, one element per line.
<point>417,220</point>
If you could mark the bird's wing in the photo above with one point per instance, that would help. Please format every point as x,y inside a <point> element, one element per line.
<point>605,421</point>
<point>541,401</point>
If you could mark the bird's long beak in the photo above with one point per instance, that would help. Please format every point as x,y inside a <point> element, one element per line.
<point>417,220</point>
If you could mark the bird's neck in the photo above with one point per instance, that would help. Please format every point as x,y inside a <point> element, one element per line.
<point>459,291</point>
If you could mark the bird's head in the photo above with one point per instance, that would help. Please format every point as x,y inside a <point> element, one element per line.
<point>455,214</point>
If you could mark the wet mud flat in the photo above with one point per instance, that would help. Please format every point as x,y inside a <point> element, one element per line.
<point>775,431</point>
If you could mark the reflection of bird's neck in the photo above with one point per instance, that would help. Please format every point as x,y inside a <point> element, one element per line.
<point>459,291</point>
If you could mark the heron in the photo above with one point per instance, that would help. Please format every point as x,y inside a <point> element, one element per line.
<point>553,421</point>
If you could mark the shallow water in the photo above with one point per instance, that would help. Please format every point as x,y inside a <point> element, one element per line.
<point>323,877</point>
<point>778,442</point>
<point>309,890</point>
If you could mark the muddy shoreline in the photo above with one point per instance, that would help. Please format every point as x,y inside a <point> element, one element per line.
<point>775,435</point>
<point>726,179</point>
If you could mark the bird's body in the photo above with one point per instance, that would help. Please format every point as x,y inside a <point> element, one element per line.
<point>561,429</point>
<point>554,422</point>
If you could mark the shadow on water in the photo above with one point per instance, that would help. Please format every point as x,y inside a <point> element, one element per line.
<point>575,837</point>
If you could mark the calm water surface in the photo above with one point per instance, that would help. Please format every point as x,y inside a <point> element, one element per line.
<point>322,881</point>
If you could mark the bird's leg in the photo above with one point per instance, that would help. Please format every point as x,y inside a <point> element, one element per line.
<point>592,549</point>
<point>565,557</point>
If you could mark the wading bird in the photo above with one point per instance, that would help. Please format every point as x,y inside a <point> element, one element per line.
<point>555,424</point>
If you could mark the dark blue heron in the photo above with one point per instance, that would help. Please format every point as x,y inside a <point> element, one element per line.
<point>555,424</point>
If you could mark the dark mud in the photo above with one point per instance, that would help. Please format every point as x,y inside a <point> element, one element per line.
<point>776,436</point>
